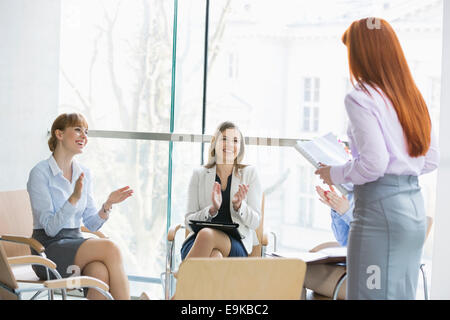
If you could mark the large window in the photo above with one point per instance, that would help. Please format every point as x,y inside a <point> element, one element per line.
<point>116,60</point>
<point>276,68</point>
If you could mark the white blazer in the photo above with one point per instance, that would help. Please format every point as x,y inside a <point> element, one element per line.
<point>199,201</point>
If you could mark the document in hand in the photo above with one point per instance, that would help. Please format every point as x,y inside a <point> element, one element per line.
<point>327,150</point>
<point>328,255</point>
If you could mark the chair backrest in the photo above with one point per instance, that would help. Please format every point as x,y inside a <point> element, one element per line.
<point>16,219</point>
<point>240,279</point>
<point>256,251</point>
<point>7,279</point>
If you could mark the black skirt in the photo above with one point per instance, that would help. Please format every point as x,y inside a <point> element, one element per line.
<point>61,249</point>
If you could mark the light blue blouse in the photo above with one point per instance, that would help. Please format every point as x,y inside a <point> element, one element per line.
<point>49,192</point>
<point>341,223</point>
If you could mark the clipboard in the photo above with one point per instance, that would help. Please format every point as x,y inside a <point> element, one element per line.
<point>328,150</point>
<point>229,228</point>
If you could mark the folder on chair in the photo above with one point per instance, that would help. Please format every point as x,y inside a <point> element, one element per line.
<point>229,228</point>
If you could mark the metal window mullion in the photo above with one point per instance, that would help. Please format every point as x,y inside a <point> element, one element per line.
<point>198,138</point>
<point>205,77</point>
<point>172,115</point>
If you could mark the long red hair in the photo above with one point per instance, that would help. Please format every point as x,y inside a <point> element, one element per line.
<point>376,59</point>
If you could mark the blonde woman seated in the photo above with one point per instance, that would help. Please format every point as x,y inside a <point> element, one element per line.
<point>225,191</point>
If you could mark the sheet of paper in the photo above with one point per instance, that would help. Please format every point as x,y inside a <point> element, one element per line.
<point>303,255</point>
<point>312,256</point>
<point>325,149</point>
<point>335,252</point>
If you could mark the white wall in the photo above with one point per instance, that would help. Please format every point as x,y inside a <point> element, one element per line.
<point>29,68</point>
<point>440,284</point>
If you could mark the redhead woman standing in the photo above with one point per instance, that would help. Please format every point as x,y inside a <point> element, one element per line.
<point>392,143</point>
<point>60,191</point>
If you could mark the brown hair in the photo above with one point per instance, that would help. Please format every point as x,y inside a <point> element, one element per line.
<point>62,122</point>
<point>212,148</point>
<point>376,59</point>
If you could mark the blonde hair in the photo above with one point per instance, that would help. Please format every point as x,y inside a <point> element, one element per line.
<point>62,122</point>
<point>212,148</point>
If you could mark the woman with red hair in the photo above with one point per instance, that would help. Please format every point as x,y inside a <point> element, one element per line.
<point>392,143</point>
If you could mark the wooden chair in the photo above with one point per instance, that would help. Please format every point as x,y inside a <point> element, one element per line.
<point>168,281</point>
<point>9,288</point>
<point>16,228</point>
<point>240,279</point>
<point>329,281</point>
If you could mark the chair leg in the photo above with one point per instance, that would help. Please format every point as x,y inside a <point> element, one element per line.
<point>37,294</point>
<point>425,283</point>
<point>169,268</point>
<point>274,240</point>
<point>338,286</point>
<point>51,295</point>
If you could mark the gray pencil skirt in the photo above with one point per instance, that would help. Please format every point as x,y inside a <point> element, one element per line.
<point>386,239</point>
<point>61,249</point>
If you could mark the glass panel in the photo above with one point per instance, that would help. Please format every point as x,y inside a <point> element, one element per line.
<point>302,213</point>
<point>303,178</point>
<point>116,63</point>
<point>291,202</point>
<point>186,158</point>
<point>138,225</point>
<point>189,66</point>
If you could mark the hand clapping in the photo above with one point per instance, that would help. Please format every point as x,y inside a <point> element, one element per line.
<point>239,196</point>
<point>119,195</point>
<point>333,200</point>
<point>216,198</point>
<point>76,195</point>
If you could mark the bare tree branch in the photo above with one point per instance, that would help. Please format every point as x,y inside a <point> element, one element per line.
<point>93,61</point>
<point>124,117</point>
<point>218,35</point>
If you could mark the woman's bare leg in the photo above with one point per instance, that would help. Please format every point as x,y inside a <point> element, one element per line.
<point>99,271</point>
<point>209,240</point>
<point>216,254</point>
<point>106,252</point>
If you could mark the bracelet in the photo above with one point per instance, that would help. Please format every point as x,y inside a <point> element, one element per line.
<point>106,211</point>
<point>215,215</point>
